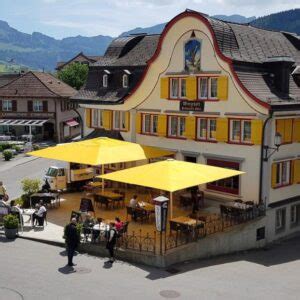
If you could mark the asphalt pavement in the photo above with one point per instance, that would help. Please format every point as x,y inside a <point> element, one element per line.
<point>12,172</point>
<point>31,270</point>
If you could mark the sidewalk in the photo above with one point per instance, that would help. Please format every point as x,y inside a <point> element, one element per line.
<point>21,159</point>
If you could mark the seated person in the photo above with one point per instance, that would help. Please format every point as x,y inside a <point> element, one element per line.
<point>15,210</point>
<point>87,225</point>
<point>134,202</point>
<point>46,187</point>
<point>39,214</point>
<point>118,224</point>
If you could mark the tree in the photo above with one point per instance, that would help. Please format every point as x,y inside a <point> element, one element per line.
<point>74,75</point>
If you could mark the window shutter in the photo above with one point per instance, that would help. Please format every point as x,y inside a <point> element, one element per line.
<point>296,131</point>
<point>280,128</point>
<point>88,113</point>
<point>164,88</point>
<point>222,88</point>
<point>162,125</point>
<point>288,130</point>
<point>138,123</point>
<point>45,106</point>
<point>14,105</point>
<point>107,119</point>
<point>274,174</point>
<point>127,120</point>
<point>30,106</point>
<point>190,128</point>
<point>256,131</point>
<point>222,130</point>
<point>296,173</point>
<point>191,88</point>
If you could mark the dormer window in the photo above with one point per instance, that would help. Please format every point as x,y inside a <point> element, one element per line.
<point>105,80</point>
<point>125,81</point>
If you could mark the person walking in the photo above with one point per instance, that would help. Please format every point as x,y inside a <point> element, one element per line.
<point>72,240</point>
<point>111,242</point>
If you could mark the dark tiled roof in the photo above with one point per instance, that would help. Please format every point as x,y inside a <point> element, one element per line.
<point>245,43</point>
<point>37,84</point>
<point>129,51</point>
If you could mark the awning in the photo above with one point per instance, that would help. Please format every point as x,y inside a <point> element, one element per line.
<point>171,175</point>
<point>22,122</point>
<point>71,123</point>
<point>100,151</point>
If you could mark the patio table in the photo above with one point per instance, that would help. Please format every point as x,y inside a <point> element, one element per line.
<point>147,207</point>
<point>27,212</point>
<point>110,196</point>
<point>184,221</point>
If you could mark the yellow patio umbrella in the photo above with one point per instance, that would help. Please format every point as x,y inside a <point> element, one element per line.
<point>100,151</point>
<point>171,175</point>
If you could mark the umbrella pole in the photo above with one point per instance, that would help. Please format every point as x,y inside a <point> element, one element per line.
<point>171,205</point>
<point>102,178</point>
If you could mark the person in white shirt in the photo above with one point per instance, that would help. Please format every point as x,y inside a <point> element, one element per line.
<point>133,202</point>
<point>39,214</point>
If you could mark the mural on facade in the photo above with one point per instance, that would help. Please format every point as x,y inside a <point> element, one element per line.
<point>192,55</point>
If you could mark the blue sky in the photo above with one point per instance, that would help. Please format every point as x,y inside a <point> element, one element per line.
<point>62,18</point>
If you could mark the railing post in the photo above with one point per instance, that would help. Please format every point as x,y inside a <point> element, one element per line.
<point>140,246</point>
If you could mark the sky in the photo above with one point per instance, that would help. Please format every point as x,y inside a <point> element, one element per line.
<point>63,18</point>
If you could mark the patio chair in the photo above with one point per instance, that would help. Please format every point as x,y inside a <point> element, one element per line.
<point>141,214</point>
<point>101,201</point>
<point>174,226</point>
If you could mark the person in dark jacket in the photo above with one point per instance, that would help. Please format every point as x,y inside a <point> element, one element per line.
<point>72,240</point>
<point>111,242</point>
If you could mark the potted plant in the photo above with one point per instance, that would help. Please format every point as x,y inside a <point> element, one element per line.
<point>11,224</point>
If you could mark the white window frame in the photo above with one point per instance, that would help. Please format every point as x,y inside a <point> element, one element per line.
<point>241,138</point>
<point>125,81</point>
<point>179,95</point>
<point>179,130</point>
<point>208,85</point>
<point>37,105</point>
<point>207,130</point>
<point>7,105</point>
<point>119,116</point>
<point>105,80</point>
<point>152,120</point>
<point>283,176</point>
<point>97,118</point>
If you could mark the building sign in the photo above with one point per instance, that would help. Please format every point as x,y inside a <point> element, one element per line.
<point>32,115</point>
<point>191,106</point>
<point>161,213</point>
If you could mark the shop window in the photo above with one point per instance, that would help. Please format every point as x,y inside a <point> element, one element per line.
<point>119,120</point>
<point>67,131</point>
<point>283,173</point>
<point>149,124</point>
<point>125,81</point>
<point>105,80</point>
<point>228,185</point>
<point>7,105</point>
<point>295,215</point>
<point>280,218</point>
<point>37,106</point>
<point>208,88</point>
<point>240,131</point>
<point>176,126</point>
<point>178,88</point>
<point>97,118</point>
<point>206,129</point>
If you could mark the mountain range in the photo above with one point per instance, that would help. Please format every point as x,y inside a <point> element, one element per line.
<point>39,51</point>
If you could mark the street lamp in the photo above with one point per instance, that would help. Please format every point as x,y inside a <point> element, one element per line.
<point>277,143</point>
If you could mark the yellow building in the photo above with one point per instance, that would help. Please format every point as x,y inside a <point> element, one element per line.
<point>218,93</point>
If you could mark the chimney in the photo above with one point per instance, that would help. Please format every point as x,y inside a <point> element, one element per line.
<point>281,67</point>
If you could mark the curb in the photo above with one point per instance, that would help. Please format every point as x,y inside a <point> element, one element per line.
<point>48,242</point>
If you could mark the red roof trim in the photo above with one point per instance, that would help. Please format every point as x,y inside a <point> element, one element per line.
<point>216,46</point>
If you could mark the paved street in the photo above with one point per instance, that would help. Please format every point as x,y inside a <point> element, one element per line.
<point>12,172</point>
<point>31,270</point>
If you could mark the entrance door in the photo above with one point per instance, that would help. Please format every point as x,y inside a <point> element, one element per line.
<point>192,159</point>
<point>48,131</point>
